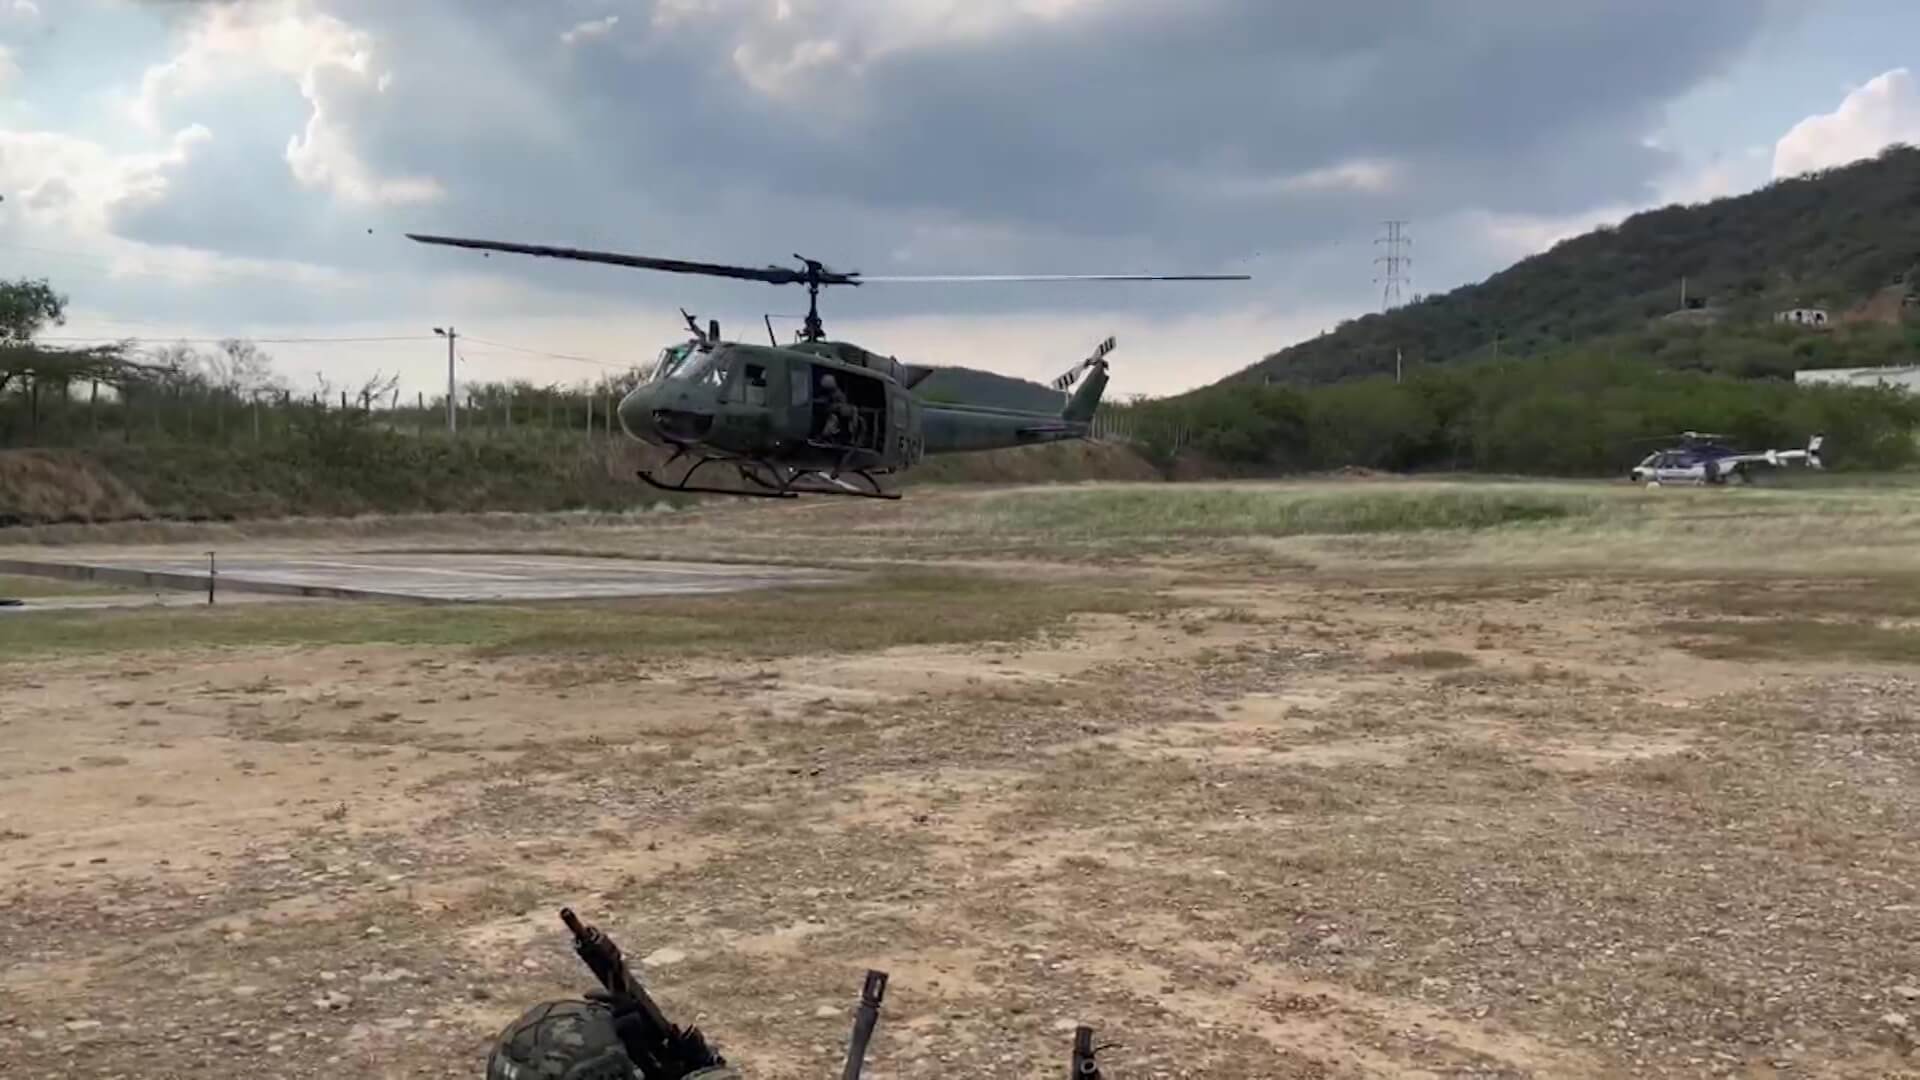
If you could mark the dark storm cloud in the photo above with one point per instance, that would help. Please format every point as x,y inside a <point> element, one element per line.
<point>1132,135</point>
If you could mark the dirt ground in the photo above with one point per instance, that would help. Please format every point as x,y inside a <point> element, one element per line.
<point>1291,816</point>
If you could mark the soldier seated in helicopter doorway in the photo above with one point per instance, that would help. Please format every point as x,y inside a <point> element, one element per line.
<point>842,418</point>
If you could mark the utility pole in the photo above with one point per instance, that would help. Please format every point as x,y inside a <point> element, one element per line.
<point>1396,263</point>
<point>450,335</point>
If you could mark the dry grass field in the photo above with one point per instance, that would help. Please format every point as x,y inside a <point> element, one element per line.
<point>1330,780</point>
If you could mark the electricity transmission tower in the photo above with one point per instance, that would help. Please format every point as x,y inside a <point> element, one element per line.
<point>1396,261</point>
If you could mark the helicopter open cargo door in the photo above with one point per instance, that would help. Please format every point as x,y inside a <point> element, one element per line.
<point>849,408</point>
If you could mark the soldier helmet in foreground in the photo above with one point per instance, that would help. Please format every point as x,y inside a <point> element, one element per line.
<point>569,1040</point>
<point>561,1040</point>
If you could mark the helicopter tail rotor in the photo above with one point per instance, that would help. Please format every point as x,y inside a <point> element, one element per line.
<point>1065,382</point>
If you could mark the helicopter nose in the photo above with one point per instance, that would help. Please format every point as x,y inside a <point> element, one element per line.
<point>636,414</point>
<point>651,415</point>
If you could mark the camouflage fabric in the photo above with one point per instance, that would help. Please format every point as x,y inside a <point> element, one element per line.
<point>561,1040</point>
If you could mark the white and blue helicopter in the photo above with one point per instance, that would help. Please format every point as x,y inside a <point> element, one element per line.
<point>1702,459</point>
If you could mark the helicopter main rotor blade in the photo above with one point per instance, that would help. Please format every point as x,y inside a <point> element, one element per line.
<point>773,275</point>
<point>951,278</point>
<point>780,275</point>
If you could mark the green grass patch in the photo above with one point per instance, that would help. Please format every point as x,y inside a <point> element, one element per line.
<point>875,613</point>
<point>1791,639</point>
<point>1283,512</point>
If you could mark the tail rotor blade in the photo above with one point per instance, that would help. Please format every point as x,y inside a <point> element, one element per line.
<point>1073,373</point>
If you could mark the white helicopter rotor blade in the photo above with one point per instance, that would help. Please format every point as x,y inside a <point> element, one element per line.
<point>965,278</point>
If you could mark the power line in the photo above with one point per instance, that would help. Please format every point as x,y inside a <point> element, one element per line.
<point>542,352</point>
<point>318,340</point>
<point>1395,261</point>
<point>255,340</point>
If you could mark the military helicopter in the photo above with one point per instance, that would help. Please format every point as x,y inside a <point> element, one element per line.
<point>1703,458</point>
<point>816,415</point>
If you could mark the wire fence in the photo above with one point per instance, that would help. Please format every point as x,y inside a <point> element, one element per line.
<point>57,414</point>
<point>64,415</point>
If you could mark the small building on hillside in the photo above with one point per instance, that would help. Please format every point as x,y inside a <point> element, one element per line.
<point>1904,377</point>
<point>1802,316</point>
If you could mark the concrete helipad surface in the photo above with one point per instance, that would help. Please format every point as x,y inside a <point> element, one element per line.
<point>427,576</point>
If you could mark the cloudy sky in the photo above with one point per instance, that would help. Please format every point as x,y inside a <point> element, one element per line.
<point>204,168</point>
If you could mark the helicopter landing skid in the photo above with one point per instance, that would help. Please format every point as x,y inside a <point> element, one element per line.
<point>778,482</point>
<point>841,487</point>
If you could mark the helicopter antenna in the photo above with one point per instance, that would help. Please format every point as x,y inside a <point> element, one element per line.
<point>815,275</point>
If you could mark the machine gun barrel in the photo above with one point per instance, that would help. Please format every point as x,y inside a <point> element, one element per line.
<point>863,1022</point>
<point>661,1050</point>
<point>1084,1065</point>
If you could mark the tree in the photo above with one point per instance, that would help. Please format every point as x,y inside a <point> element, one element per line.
<point>240,368</point>
<point>26,306</point>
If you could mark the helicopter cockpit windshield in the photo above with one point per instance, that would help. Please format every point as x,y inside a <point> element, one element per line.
<point>671,358</point>
<point>704,367</point>
<point>683,363</point>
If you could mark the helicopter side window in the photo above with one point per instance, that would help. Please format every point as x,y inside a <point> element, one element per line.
<point>802,390</point>
<point>756,383</point>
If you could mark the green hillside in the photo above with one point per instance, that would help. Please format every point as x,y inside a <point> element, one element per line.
<point>974,387</point>
<point>1845,240</point>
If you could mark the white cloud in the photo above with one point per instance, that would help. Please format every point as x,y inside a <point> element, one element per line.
<point>1885,110</point>
<point>1717,179</point>
<point>589,30</point>
<point>68,188</point>
<point>789,66</point>
<point>331,61</point>
<point>25,9</point>
<point>324,156</point>
<point>1515,236</point>
<point>69,183</point>
<point>791,46</point>
<point>1371,177</point>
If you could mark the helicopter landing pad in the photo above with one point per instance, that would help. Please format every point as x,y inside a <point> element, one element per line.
<point>431,577</point>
